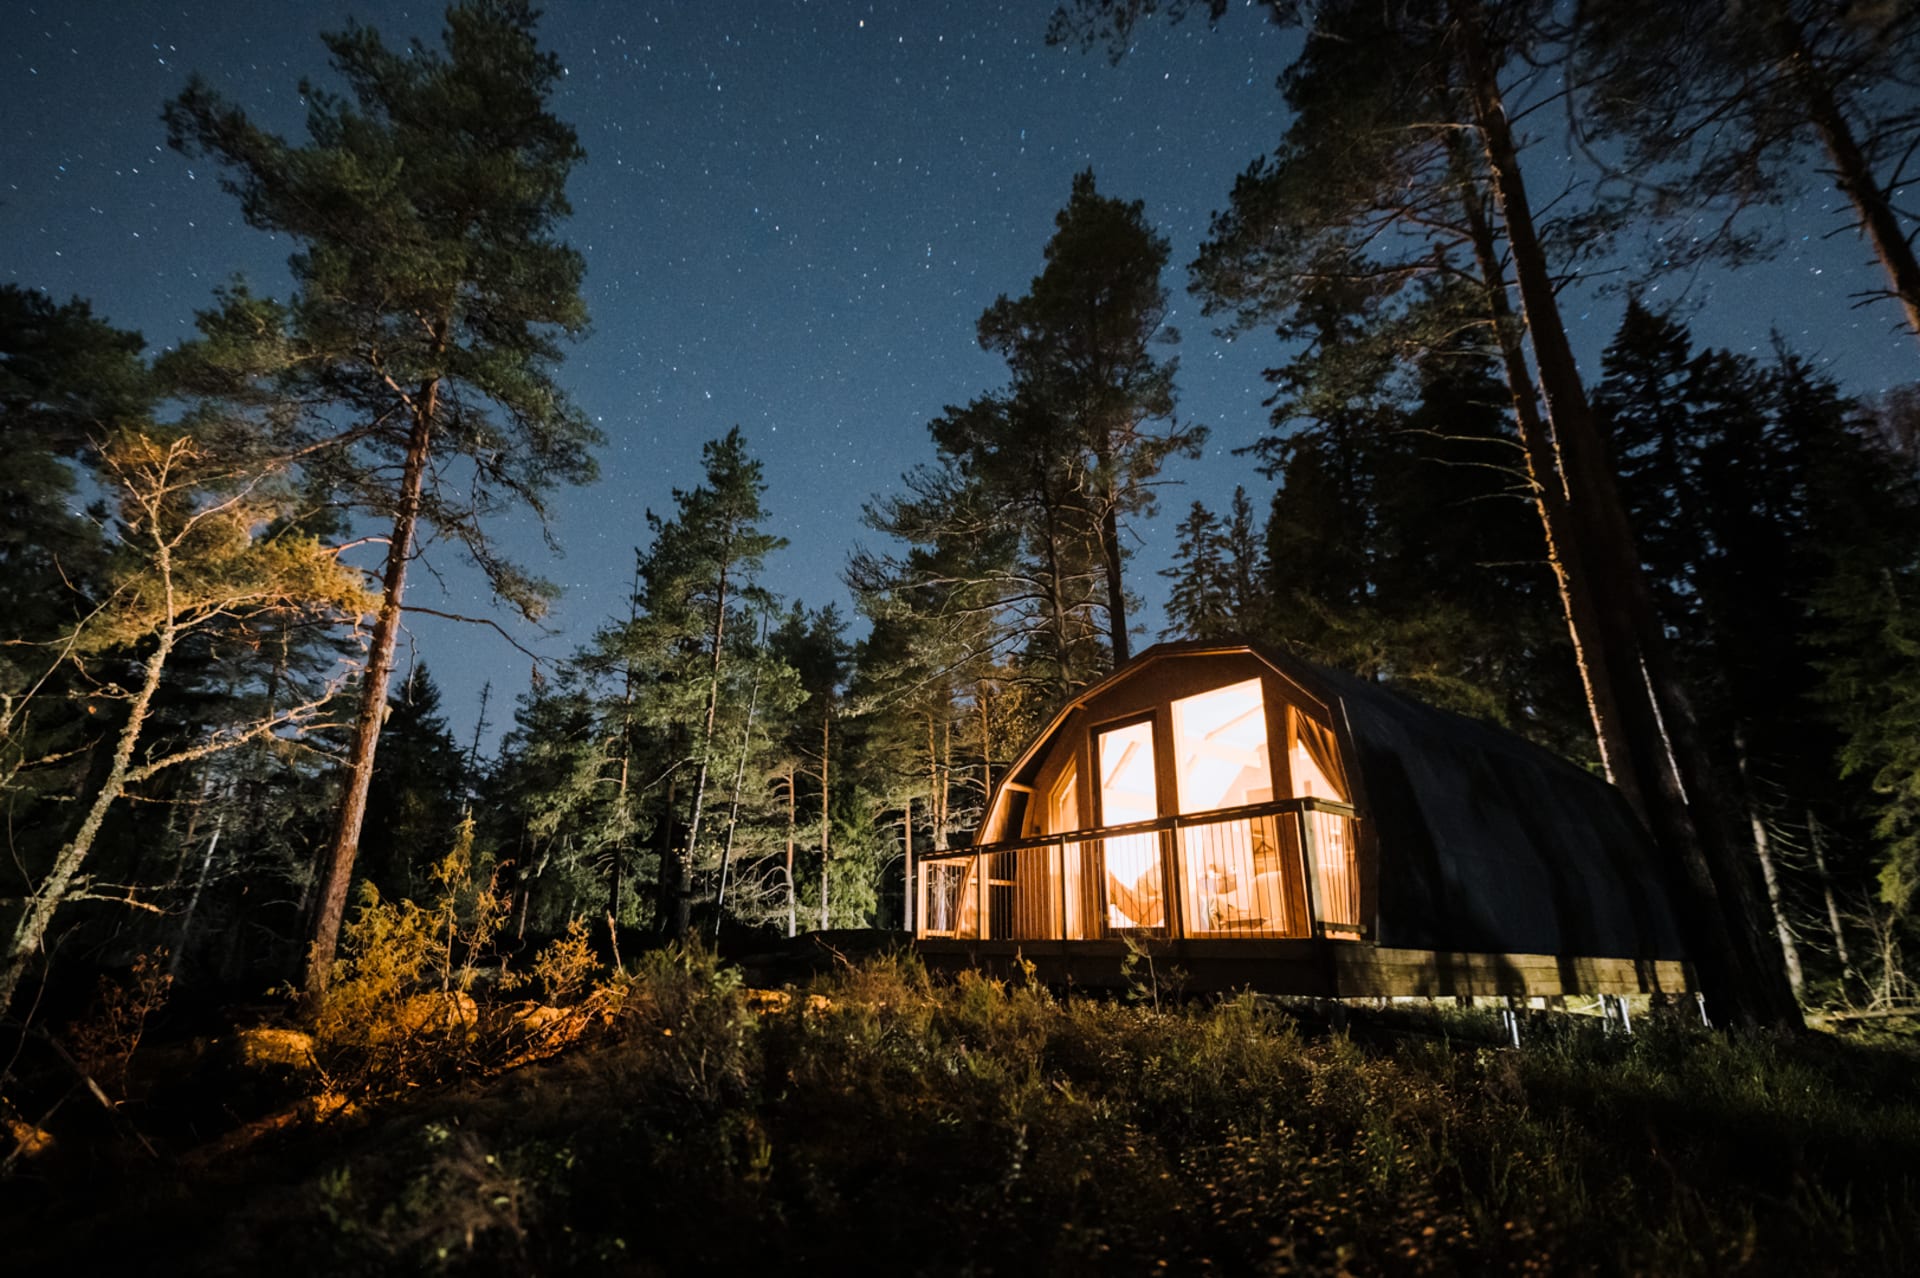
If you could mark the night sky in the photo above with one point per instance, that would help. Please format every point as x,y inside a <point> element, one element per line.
<point>792,215</point>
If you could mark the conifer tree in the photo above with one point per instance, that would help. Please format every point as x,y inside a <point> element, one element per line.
<point>551,809</point>
<point>414,804</point>
<point>1866,627</point>
<point>812,748</point>
<point>698,585</point>
<point>1720,104</point>
<point>1080,347</point>
<point>1197,602</point>
<point>1402,164</point>
<point>1724,463</point>
<point>190,557</point>
<point>1219,574</point>
<point>67,381</point>
<point>430,294</point>
<point>1016,548</point>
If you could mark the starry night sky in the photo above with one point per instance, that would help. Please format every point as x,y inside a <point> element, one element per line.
<point>792,214</point>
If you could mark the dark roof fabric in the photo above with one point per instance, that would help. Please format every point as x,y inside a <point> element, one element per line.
<point>1488,843</point>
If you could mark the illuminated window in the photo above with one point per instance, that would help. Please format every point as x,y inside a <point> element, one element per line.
<point>1063,805</point>
<point>1063,811</point>
<point>1314,758</point>
<point>1135,898</point>
<point>1220,748</point>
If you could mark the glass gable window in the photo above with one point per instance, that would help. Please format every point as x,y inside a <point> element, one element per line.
<point>1220,743</point>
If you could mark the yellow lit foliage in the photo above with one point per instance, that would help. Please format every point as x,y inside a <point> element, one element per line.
<point>198,543</point>
<point>399,1004</point>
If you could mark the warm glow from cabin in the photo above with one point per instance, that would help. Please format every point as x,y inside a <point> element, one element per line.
<point>1221,774</point>
<point>1220,741</point>
<point>1128,793</point>
<point>1308,779</point>
<point>1233,871</point>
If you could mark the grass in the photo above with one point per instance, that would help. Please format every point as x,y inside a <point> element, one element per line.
<point>970,1127</point>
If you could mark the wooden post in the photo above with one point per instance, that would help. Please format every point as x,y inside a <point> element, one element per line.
<point>1170,879</point>
<point>1307,869</point>
<point>982,869</point>
<point>908,900</point>
<point>1061,879</point>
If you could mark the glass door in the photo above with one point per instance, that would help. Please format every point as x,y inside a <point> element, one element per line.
<point>1236,877</point>
<point>1135,886</point>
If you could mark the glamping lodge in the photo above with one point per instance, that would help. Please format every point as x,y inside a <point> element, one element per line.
<point>1263,823</point>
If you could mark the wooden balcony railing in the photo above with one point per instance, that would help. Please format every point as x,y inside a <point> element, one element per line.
<point>1282,869</point>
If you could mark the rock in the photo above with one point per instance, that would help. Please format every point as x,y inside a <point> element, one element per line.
<point>534,1017</point>
<point>774,1002</point>
<point>29,1140</point>
<point>768,1002</point>
<point>263,1048</point>
<point>426,1013</point>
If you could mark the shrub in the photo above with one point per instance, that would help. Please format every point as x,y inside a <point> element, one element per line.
<point>398,1010</point>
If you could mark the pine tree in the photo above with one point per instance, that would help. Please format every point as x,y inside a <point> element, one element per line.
<point>67,381</point>
<point>430,294</point>
<point>1244,564</point>
<point>998,560</point>
<point>1015,549</point>
<point>1198,604</point>
<point>191,556</point>
<point>1721,461</point>
<point>1219,574</point>
<point>414,804</point>
<point>809,763</point>
<point>1866,625</point>
<point>1402,165</point>
<point>698,589</point>
<point>551,808</point>
<point>1720,104</point>
<point>1079,344</point>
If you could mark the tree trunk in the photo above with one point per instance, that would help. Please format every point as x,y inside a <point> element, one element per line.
<point>336,876</point>
<point>908,899</point>
<point>622,822</point>
<point>1663,754</point>
<point>793,826</point>
<point>682,917</point>
<point>826,808</point>
<point>668,874</point>
<point>178,957</point>
<point>1548,486</point>
<point>936,785</point>
<point>30,931</point>
<point>1832,903</point>
<point>733,813</point>
<point>980,698</point>
<point>1057,599</point>
<point>1763,850</point>
<point>1851,175</point>
<point>1116,588</point>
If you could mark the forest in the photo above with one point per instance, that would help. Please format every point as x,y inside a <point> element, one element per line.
<point>236,813</point>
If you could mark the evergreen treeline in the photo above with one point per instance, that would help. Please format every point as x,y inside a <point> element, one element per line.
<point>1693,568</point>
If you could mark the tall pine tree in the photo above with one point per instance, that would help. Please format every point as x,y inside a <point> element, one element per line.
<point>430,296</point>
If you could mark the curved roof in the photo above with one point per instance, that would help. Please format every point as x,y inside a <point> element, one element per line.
<point>1484,842</point>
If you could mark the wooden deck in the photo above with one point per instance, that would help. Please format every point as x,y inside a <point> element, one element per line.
<point>1320,968</point>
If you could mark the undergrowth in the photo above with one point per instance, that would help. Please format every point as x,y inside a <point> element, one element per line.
<point>975,1126</point>
<point>884,1119</point>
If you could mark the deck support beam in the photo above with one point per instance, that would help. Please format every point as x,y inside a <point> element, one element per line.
<point>1322,968</point>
